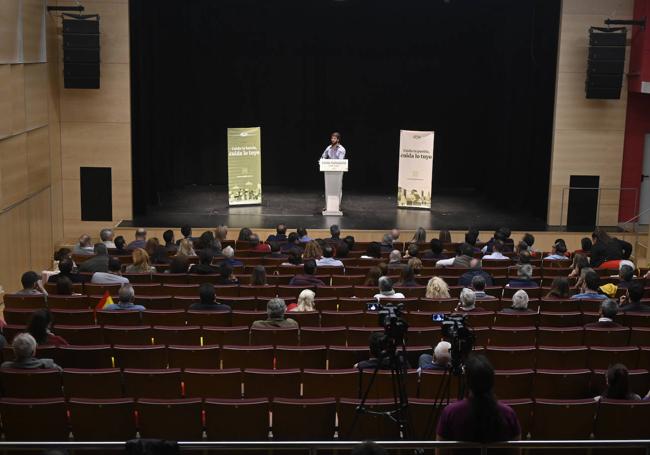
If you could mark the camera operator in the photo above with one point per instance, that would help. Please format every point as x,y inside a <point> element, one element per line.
<point>480,417</point>
<point>440,359</point>
<point>377,345</point>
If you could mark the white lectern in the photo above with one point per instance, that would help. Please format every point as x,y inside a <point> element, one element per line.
<point>333,171</point>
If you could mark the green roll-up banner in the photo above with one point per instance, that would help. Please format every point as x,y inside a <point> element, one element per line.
<point>244,166</point>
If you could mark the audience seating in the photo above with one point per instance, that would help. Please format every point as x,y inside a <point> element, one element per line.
<point>108,419</point>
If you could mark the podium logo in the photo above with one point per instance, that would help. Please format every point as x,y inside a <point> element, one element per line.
<point>243,134</point>
<point>417,137</point>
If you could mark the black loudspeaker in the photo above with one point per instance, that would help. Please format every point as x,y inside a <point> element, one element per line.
<point>606,63</point>
<point>96,194</point>
<point>583,203</point>
<point>81,51</point>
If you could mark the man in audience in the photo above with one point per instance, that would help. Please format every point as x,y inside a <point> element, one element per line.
<point>24,346</point>
<point>467,302</point>
<point>65,269</point>
<point>328,258</point>
<point>293,241</point>
<point>386,243</point>
<point>113,276</point>
<point>394,233</point>
<point>106,236</point>
<point>608,311</point>
<point>626,276</point>
<point>463,258</point>
<point>519,303</point>
<point>257,246</point>
<point>186,232</point>
<point>478,285</point>
<point>205,267</point>
<point>395,260</point>
<point>275,309</point>
<point>229,257</point>
<point>335,234</point>
<point>140,239</point>
<point>471,238</point>
<point>280,234</point>
<point>589,288</point>
<point>97,263</point>
<point>342,250</point>
<point>307,278</point>
<point>302,235</point>
<point>32,284</point>
<point>529,240</point>
<point>208,300</point>
<point>524,278</point>
<point>412,251</point>
<point>435,250</point>
<point>84,247</point>
<point>440,359</point>
<point>497,248</point>
<point>349,240</point>
<point>377,346</point>
<point>558,251</point>
<point>125,302</point>
<point>475,270</point>
<point>170,244</point>
<point>386,290</point>
<point>631,301</point>
<point>276,250</point>
<point>120,247</point>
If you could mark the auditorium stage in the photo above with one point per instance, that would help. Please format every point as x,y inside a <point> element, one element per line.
<point>208,206</point>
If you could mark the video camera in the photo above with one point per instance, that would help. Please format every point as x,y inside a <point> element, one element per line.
<point>390,318</point>
<point>459,334</point>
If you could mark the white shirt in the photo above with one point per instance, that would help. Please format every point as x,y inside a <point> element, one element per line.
<point>108,278</point>
<point>335,154</point>
<point>445,262</point>
<point>109,243</point>
<point>397,295</point>
<point>330,262</point>
<point>495,255</point>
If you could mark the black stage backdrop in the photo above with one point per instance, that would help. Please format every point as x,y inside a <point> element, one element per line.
<point>481,74</point>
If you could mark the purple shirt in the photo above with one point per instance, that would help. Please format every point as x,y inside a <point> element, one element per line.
<point>454,421</point>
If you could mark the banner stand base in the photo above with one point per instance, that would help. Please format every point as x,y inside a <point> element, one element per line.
<point>332,213</point>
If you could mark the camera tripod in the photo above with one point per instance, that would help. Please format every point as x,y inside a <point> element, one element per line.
<point>398,365</point>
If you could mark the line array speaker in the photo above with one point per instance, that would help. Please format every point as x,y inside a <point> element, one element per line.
<point>81,51</point>
<point>606,62</point>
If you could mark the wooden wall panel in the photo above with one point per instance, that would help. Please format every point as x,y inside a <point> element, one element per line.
<point>38,159</point>
<point>14,243</point>
<point>40,229</point>
<point>33,24</point>
<point>13,169</point>
<point>56,190</point>
<point>9,28</point>
<point>17,99</point>
<point>36,95</point>
<point>6,101</point>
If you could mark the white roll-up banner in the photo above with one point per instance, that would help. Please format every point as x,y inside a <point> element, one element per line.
<point>415,169</point>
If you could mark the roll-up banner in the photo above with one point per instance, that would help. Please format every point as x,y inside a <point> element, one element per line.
<point>244,166</point>
<point>415,169</point>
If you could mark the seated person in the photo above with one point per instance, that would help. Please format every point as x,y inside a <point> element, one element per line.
<point>179,264</point>
<point>463,259</point>
<point>32,284</point>
<point>276,250</point>
<point>328,258</point>
<point>64,286</point>
<point>275,309</point>
<point>256,245</point>
<point>97,263</point>
<point>373,251</point>
<point>631,301</point>
<point>120,247</point>
<point>258,276</point>
<point>377,346</point>
<point>589,287</point>
<point>208,300</point>
<point>229,255</point>
<point>467,302</point>
<point>40,327</point>
<point>497,249</point>
<point>24,346</point>
<point>65,269</point>
<point>126,296</point>
<point>293,241</point>
<point>386,290</point>
<point>114,274</point>
<point>170,244</point>
<point>608,311</point>
<point>342,250</point>
<point>141,262</point>
<point>225,275</point>
<point>524,278</point>
<point>395,260</point>
<point>617,384</point>
<point>559,289</point>
<point>519,303</point>
<point>386,244</point>
<point>279,236</point>
<point>437,288</point>
<point>435,250</point>
<point>307,278</point>
<point>205,267</point>
<point>407,277</point>
<point>84,246</point>
<point>412,251</point>
<point>305,301</point>
<point>625,275</point>
<point>478,285</point>
<point>440,359</point>
<point>558,251</point>
<point>475,269</point>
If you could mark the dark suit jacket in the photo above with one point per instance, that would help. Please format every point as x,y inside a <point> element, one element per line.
<point>74,277</point>
<point>204,269</point>
<point>95,264</point>
<point>209,307</point>
<point>635,307</point>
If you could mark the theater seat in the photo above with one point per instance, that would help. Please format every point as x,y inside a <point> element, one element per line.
<point>563,419</point>
<point>617,419</point>
<point>92,383</point>
<point>201,383</point>
<point>347,356</point>
<point>511,357</point>
<point>611,336</point>
<point>152,383</point>
<point>102,419</point>
<point>367,426</point>
<point>263,383</point>
<point>42,419</point>
<point>601,357</point>
<point>247,419</point>
<point>147,356</point>
<point>91,356</point>
<point>513,384</point>
<point>301,357</point>
<point>273,336</point>
<point>561,358</point>
<point>237,335</point>
<point>319,383</point>
<point>31,383</point>
<point>562,384</point>
<point>173,420</point>
<point>304,420</point>
<point>194,356</point>
<point>310,336</point>
<point>247,356</point>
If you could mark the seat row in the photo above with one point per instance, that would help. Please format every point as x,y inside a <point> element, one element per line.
<point>174,383</point>
<point>193,419</point>
<point>320,356</point>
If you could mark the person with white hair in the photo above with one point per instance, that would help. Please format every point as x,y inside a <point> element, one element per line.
<point>229,255</point>
<point>467,301</point>
<point>519,303</point>
<point>395,260</point>
<point>24,346</point>
<point>440,360</point>
<point>125,302</point>
<point>275,310</point>
<point>386,289</point>
<point>106,235</point>
<point>305,301</point>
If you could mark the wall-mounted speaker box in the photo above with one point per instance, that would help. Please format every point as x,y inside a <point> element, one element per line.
<point>606,62</point>
<point>81,51</point>
<point>96,193</point>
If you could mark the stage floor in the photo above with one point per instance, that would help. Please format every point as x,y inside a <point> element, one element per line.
<point>208,206</point>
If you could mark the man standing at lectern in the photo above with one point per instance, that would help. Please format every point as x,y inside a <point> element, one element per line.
<point>335,150</point>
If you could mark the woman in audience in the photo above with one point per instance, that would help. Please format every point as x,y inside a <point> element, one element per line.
<point>245,234</point>
<point>519,303</point>
<point>294,257</point>
<point>179,264</point>
<point>207,242</point>
<point>420,236</point>
<point>185,248</point>
<point>312,251</point>
<point>226,276</point>
<point>617,384</point>
<point>559,289</point>
<point>437,289</point>
<point>606,251</point>
<point>40,327</point>
<point>373,251</point>
<point>305,302</point>
<point>64,286</point>
<point>258,276</point>
<point>407,277</point>
<point>157,253</point>
<point>141,262</point>
<point>372,278</point>
<point>416,265</point>
<point>444,236</point>
<point>220,233</point>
